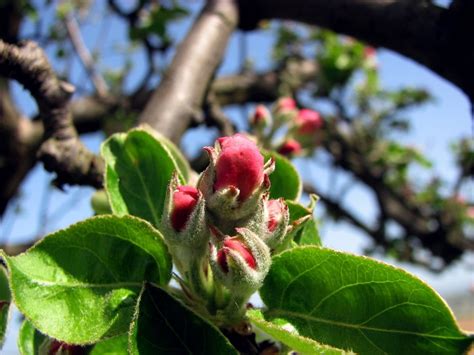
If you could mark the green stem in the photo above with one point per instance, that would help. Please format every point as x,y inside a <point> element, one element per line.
<point>235,310</point>
<point>200,283</point>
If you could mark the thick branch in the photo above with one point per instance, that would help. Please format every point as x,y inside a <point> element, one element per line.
<point>19,139</point>
<point>62,151</point>
<point>183,88</point>
<point>89,112</point>
<point>431,35</point>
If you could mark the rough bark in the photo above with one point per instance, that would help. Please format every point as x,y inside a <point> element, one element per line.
<point>183,87</point>
<point>61,151</point>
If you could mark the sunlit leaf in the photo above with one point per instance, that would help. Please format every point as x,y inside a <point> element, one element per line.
<point>80,285</point>
<point>285,180</point>
<point>30,340</point>
<point>115,346</point>
<point>139,168</point>
<point>305,228</point>
<point>285,333</point>
<point>359,304</point>
<point>5,300</point>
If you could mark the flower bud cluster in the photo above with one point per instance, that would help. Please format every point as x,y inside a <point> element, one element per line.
<point>370,58</point>
<point>221,233</point>
<point>304,127</point>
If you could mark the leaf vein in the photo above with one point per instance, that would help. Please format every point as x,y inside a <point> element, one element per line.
<point>283,313</point>
<point>348,286</point>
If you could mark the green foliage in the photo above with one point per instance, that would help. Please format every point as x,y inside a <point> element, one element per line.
<point>396,159</point>
<point>138,170</point>
<point>359,304</point>
<point>163,324</point>
<point>464,151</point>
<point>286,44</point>
<point>180,160</point>
<point>287,335</point>
<point>80,285</point>
<point>305,227</point>
<point>115,346</point>
<point>5,300</point>
<point>285,180</point>
<point>156,23</point>
<point>338,59</point>
<point>30,341</point>
<point>100,202</point>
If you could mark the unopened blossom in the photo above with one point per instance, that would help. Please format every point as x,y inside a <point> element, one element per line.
<point>237,246</point>
<point>261,117</point>
<point>185,199</point>
<point>276,210</point>
<point>308,121</point>
<point>239,165</point>
<point>285,104</point>
<point>290,147</point>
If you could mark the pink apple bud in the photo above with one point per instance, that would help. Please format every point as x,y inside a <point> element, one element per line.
<point>276,213</point>
<point>370,57</point>
<point>261,117</point>
<point>290,147</point>
<point>308,121</point>
<point>238,246</point>
<point>240,263</point>
<point>239,165</point>
<point>470,212</point>
<point>369,52</point>
<point>185,199</point>
<point>285,104</point>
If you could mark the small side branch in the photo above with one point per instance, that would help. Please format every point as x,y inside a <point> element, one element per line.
<point>74,33</point>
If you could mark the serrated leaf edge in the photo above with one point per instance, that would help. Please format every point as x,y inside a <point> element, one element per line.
<point>6,259</point>
<point>412,276</point>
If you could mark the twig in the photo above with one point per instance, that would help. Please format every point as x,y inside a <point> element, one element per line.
<point>74,33</point>
<point>216,117</point>
<point>44,208</point>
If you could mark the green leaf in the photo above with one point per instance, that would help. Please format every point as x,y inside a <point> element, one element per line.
<point>359,304</point>
<point>80,285</point>
<point>285,180</point>
<point>279,331</point>
<point>138,170</point>
<point>100,202</point>
<point>113,346</point>
<point>163,325</point>
<point>305,228</point>
<point>5,298</point>
<point>30,340</point>
<point>181,162</point>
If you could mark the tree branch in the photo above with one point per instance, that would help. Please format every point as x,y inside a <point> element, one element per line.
<point>337,210</point>
<point>62,151</point>
<point>74,33</point>
<point>183,87</point>
<point>429,34</point>
<point>214,116</point>
<point>19,139</point>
